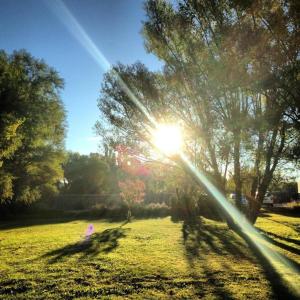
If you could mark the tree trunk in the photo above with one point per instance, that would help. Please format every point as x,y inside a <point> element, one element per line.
<point>271,155</point>
<point>258,155</point>
<point>129,214</point>
<point>237,169</point>
<point>256,204</point>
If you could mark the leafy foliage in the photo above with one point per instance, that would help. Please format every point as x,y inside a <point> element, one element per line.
<point>32,128</point>
<point>231,76</point>
<point>86,174</point>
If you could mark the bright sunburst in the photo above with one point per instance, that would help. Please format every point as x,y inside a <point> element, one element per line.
<point>167,138</point>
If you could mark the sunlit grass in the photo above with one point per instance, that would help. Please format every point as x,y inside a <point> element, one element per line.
<point>150,259</point>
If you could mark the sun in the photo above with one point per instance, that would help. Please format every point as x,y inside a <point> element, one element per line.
<point>167,138</point>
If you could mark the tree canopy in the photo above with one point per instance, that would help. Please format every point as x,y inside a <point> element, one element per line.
<point>231,76</point>
<point>87,174</point>
<point>32,128</point>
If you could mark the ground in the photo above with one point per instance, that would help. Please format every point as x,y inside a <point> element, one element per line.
<point>144,259</point>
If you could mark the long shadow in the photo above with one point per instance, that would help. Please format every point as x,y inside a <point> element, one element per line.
<point>279,288</point>
<point>194,235</point>
<point>199,239</point>
<point>285,212</point>
<point>282,245</point>
<point>197,233</point>
<point>290,240</point>
<point>103,242</point>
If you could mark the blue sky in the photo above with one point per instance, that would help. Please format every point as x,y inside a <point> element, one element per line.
<point>113,25</point>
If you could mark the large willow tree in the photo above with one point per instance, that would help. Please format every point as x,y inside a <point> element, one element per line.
<point>231,76</point>
<point>32,128</point>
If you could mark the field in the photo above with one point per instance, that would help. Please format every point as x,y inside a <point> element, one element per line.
<point>144,259</point>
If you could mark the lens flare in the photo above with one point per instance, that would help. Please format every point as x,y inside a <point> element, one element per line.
<point>89,231</point>
<point>287,272</point>
<point>167,138</point>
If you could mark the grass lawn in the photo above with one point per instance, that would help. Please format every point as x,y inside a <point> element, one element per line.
<point>145,259</point>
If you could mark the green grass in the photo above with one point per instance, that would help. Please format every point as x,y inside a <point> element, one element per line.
<point>145,259</point>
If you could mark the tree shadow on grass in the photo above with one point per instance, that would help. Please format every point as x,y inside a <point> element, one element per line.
<point>279,287</point>
<point>103,242</point>
<point>200,239</point>
<point>270,238</point>
<point>195,235</point>
<point>285,212</point>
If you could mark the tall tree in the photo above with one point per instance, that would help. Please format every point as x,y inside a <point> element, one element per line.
<point>32,128</point>
<point>225,77</point>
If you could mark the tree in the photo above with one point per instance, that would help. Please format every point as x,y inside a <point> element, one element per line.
<point>230,75</point>
<point>87,174</point>
<point>230,55</point>
<point>32,128</point>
